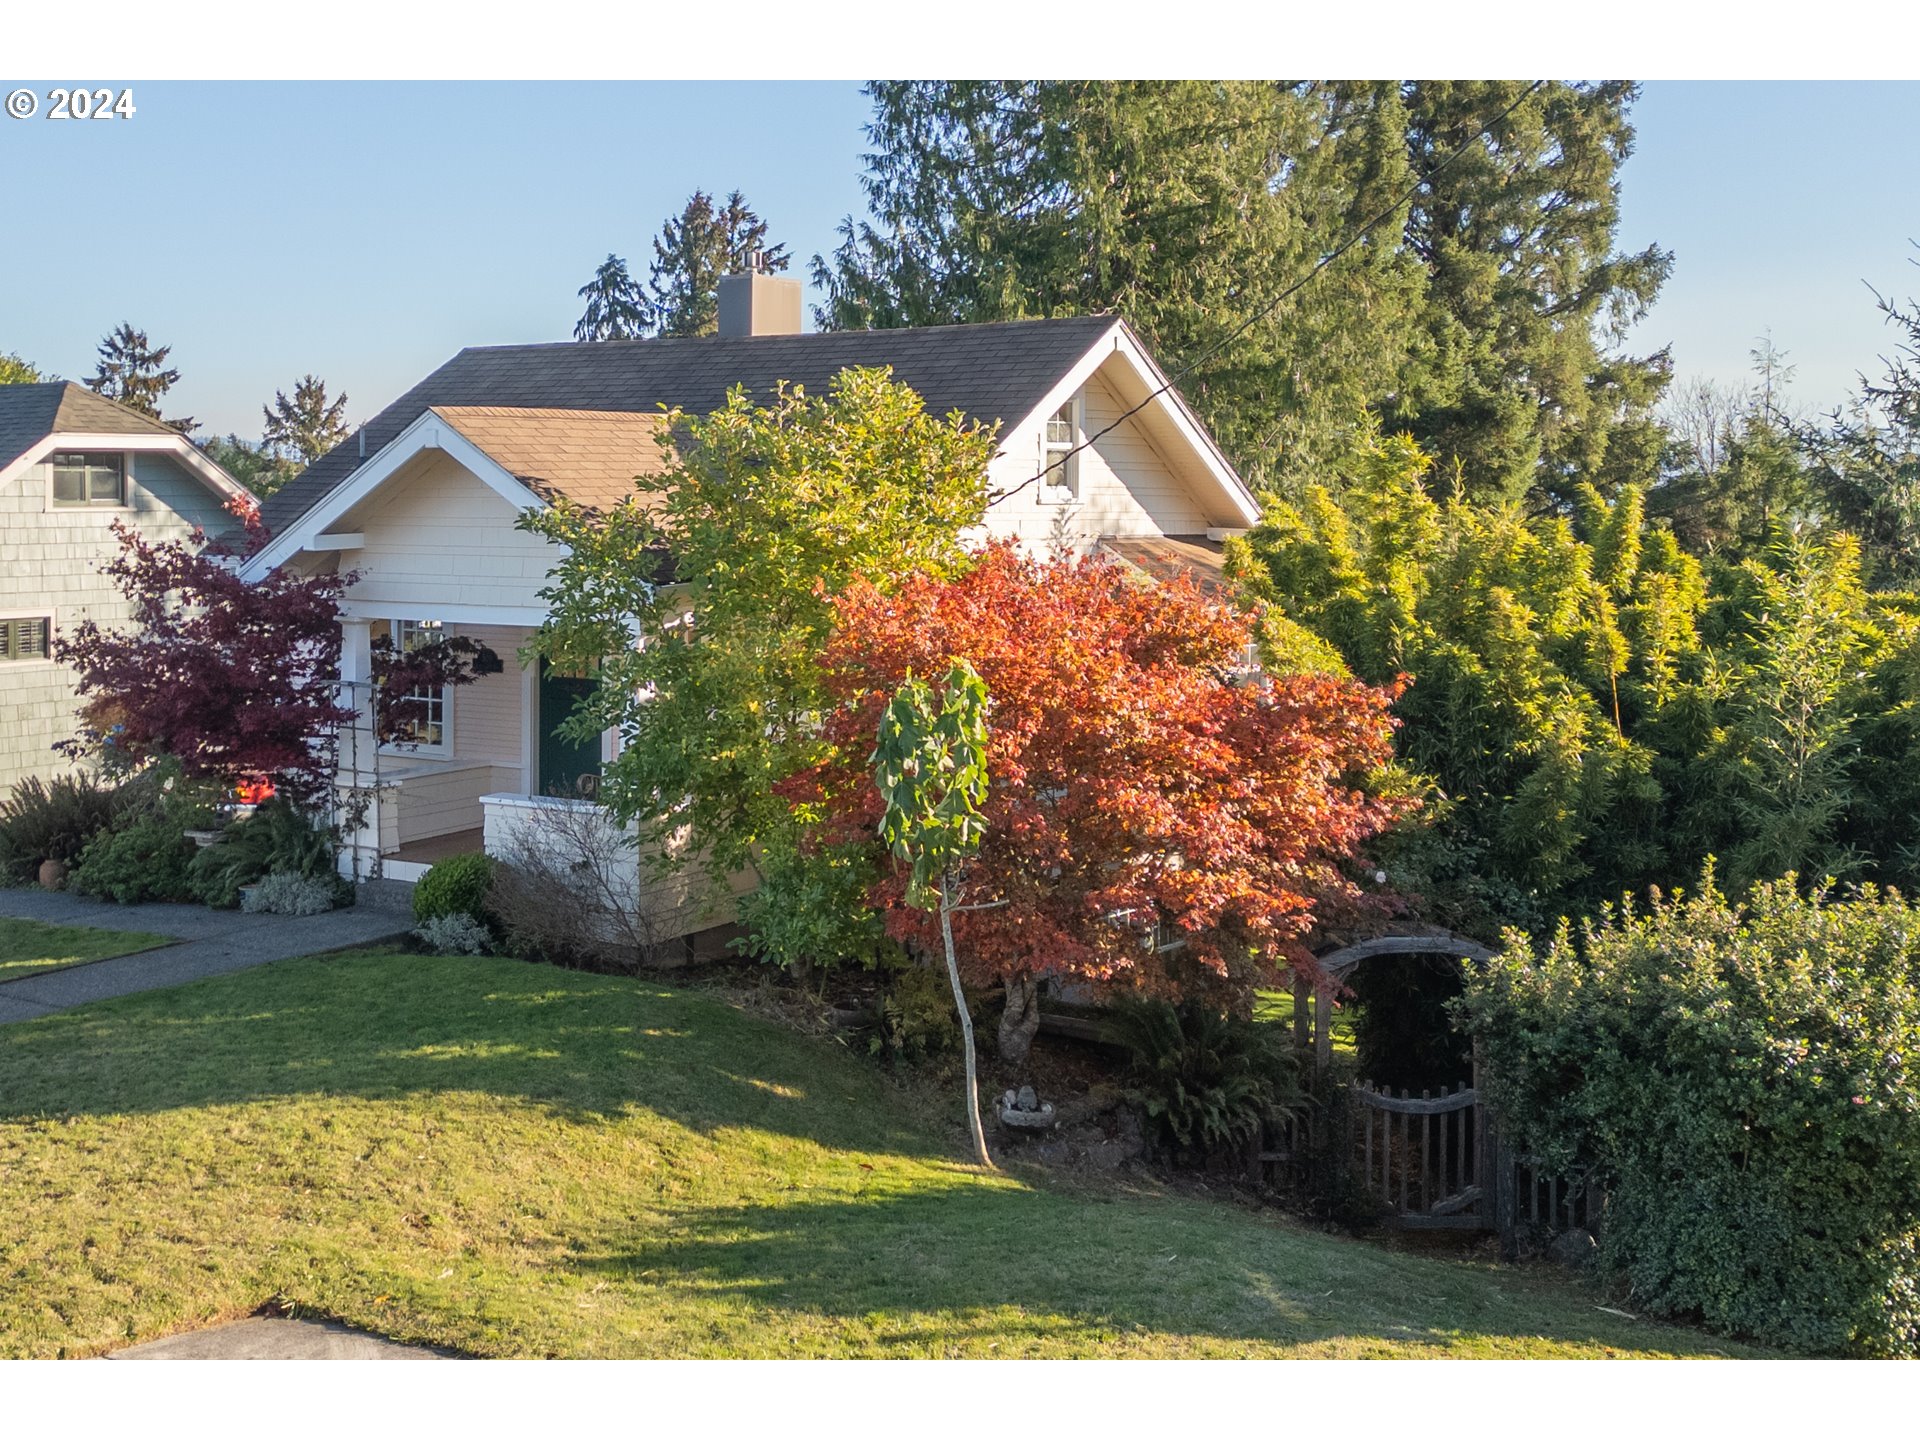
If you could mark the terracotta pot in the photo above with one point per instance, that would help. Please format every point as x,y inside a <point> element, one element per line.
<point>53,874</point>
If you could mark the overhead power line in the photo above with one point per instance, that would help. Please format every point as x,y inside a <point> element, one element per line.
<point>1062,456</point>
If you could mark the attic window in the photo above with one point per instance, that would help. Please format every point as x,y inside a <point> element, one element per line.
<point>89,479</point>
<point>1059,457</point>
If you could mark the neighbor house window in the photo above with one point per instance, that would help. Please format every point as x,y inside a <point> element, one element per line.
<point>1058,457</point>
<point>25,638</point>
<point>429,730</point>
<point>89,479</point>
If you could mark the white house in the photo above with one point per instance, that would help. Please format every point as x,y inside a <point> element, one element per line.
<point>72,464</point>
<point>421,505</point>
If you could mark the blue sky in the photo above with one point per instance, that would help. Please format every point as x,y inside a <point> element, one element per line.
<point>365,232</point>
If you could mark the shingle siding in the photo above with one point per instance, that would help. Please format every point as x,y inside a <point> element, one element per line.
<point>50,563</point>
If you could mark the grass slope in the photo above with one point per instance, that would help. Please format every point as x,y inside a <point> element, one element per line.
<point>29,947</point>
<point>516,1160</point>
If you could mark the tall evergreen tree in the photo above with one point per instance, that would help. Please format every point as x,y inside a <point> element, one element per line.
<point>617,308</point>
<point>135,373</point>
<point>1184,205</point>
<point>1476,315</point>
<point>307,426</point>
<point>1525,289</point>
<point>692,252</point>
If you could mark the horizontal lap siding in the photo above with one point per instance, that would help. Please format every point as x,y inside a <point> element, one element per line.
<point>1126,488</point>
<point>448,802</point>
<point>439,536</point>
<point>488,715</point>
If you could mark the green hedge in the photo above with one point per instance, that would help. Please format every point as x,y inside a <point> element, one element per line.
<point>1740,1075</point>
<point>456,886</point>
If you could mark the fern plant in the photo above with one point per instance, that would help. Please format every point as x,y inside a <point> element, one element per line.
<point>1207,1082</point>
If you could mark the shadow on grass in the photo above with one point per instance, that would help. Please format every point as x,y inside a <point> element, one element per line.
<point>965,1261</point>
<point>382,1026</point>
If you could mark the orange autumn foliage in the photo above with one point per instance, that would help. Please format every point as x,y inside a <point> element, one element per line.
<point>1139,784</point>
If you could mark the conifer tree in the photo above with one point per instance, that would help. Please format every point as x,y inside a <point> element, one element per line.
<point>135,373</point>
<point>617,309</point>
<point>307,426</point>
<point>693,251</point>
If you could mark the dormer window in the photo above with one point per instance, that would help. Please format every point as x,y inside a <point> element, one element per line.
<point>89,479</point>
<point>1059,455</point>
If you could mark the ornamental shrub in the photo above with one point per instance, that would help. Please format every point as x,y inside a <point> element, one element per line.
<point>456,886</point>
<point>52,821</point>
<point>276,837</point>
<point>147,860</point>
<point>1207,1081</point>
<point>459,934</point>
<point>285,893</point>
<point>1739,1076</point>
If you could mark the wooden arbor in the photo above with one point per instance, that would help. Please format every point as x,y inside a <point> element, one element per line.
<point>1313,1007</point>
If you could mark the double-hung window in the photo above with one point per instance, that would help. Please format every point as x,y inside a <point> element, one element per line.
<point>429,729</point>
<point>89,478</point>
<point>1060,456</point>
<point>25,637</point>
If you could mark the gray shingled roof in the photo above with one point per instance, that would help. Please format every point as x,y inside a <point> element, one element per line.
<point>30,413</point>
<point>991,373</point>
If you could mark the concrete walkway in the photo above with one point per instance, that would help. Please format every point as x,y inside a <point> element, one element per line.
<point>270,1338</point>
<point>208,942</point>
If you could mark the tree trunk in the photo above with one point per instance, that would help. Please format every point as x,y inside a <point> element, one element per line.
<point>966,1026</point>
<point>1020,1021</point>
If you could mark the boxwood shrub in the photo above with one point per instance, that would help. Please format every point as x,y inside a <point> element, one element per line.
<point>455,886</point>
<point>1741,1075</point>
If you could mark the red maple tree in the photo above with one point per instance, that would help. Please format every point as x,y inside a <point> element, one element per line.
<point>231,678</point>
<point>1156,820</point>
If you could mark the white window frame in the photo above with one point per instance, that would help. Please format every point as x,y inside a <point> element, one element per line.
<point>125,502</point>
<point>1065,491</point>
<point>443,748</point>
<point>7,617</point>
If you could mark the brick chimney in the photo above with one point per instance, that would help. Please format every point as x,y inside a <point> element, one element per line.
<point>756,303</point>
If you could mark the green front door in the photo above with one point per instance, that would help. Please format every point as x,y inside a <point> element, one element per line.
<point>567,767</point>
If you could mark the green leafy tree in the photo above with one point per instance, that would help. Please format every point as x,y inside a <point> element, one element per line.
<point>617,308</point>
<point>15,371</point>
<point>1544,654</point>
<point>694,250</point>
<point>254,466</point>
<point>306,426</point>
<point>722,565</point>
<point>135,373</point>
<point>930,767</point>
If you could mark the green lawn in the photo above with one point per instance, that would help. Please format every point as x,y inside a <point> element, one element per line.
<point>516,1160</point>
<point>1277,1006</point>
<point>28,947</point>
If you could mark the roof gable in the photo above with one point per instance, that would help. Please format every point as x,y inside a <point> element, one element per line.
<point>991,373</point>
<point>30,413</point>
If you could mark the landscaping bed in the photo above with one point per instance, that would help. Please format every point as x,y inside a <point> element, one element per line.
<point>511,1159</point>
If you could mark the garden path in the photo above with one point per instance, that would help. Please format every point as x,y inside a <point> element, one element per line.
<point>210,942</point>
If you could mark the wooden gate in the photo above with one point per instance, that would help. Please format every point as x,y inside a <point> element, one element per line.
<point>1422,1158</point>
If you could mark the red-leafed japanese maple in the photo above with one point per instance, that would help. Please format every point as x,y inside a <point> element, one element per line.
<point>227,676</point>
<point>1153,822</point>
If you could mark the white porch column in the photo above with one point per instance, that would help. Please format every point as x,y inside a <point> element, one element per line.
<point>355,781</point>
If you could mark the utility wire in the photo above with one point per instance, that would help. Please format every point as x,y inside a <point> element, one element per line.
<point>1234,334</point>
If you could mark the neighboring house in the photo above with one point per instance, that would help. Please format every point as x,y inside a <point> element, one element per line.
<point>72,463</point>
<point>421,506</point>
